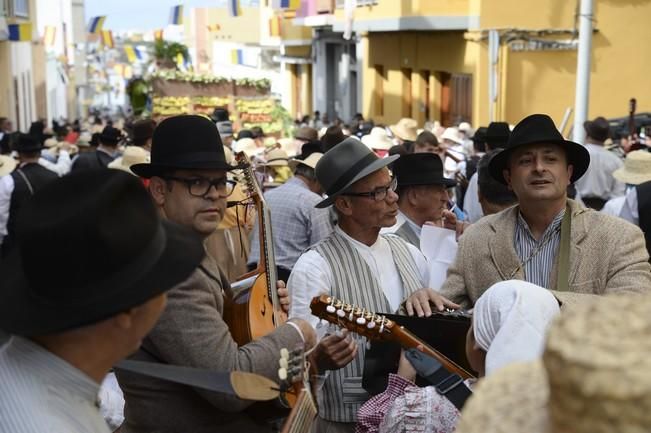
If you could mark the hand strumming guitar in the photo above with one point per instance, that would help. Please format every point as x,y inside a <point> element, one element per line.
<point>419,302</point>
<point>334,351</point>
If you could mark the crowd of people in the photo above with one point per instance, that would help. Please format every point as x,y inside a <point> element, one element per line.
<point>128,239</point>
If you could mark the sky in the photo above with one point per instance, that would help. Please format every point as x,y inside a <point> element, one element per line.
<point>143,14</point>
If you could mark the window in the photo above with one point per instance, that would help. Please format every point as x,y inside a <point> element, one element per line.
<point>406,92</point>
<point>4,7</point>
<point>20,8</point>
<point>378,91</point>
<point>426,95</point>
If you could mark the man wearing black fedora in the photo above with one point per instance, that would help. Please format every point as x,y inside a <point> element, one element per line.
<point>189,186</point>
<point>548,239</point>
<point>106,151</point>
<point>357,264</point>
<point>598,185</point>
<point>17,187</point>
<point>496,137</point>
<point>84,285</point>
<point>423,196</point>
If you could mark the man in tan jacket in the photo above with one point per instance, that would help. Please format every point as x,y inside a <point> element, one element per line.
<point>604,255</point>
<point>189,186</point>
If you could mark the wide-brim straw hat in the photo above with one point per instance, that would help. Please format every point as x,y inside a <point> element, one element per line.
<point>378,139</point>
<point>276,158</point>
<point>593,377</point>
<point>451,134</point>
<point>405,129</point>
<point>310,161</point>
<point>636,169</point>
<point>132,155</point>
<point>7,165</point>
<point>248,146</point>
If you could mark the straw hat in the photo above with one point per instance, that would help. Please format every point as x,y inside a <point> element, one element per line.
<point>310,161</point>
<point>377,139</point>
<point>248,146</point>
<point>7,164</point>
<point>451,134</point>
<point>277,158</point>
<point>636,169</point>
<point>132,155</point>
<point>405,129</point>
<point>593,377</point>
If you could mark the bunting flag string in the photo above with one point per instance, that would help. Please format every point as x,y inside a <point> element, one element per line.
<point>96,24</point>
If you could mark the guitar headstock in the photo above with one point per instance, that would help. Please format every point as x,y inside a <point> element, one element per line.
<point>247,178</point>
<point>356,319</point>
<point>293,372</point>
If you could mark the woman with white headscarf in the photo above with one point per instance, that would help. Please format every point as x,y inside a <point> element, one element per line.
<point>509,324</point>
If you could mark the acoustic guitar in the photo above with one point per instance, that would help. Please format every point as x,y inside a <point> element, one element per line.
<point>377,327</point>
<point>294,374</point>
<point>255,309</point>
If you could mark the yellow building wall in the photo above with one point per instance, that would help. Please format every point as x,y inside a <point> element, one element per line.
<point>398,52</point>
<point>244,28</point>
<point>6,86</point>
<point>408,8</point>
<point>544,81</point>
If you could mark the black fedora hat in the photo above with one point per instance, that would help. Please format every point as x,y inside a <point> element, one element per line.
<point>598,128</point>
<point>26,143</point>
<point>184,142</point>
<point>497,134</point>
<point>100,249</point>
<point>110,135</point>
<point>421,169</point>
<point>536,129</point>
<point>345,164</point>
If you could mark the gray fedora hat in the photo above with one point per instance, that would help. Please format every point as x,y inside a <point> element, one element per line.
<point>345,164</point>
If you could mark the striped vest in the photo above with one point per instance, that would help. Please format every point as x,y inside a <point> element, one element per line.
<point>408,234</point>
<point>342,393</point>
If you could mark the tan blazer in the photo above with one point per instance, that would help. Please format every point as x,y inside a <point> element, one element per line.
<point>607,255</point>
<point>192,332</point>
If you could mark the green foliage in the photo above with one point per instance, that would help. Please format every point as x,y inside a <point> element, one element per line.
<point>166,52</point>
<point>262,84</point>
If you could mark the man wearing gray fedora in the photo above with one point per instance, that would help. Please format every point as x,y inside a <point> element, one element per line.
<point>547,239</point>
<point>189,186</point>
<point>356,264</point>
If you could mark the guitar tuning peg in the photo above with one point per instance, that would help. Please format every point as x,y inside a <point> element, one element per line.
<point>330,309</point>
<point>341,313</point>
<point>282,374</point>
<point>284,353</point>
<point>370,324</point>
<point>361,321</point>
<point>283,363</point>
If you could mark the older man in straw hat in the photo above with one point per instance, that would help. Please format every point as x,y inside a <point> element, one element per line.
<point>355,263</point>
<point>297,224</point>
<point>189,185</point>
<point>70,328</point>
<point>548,239</point>
<point>637,205</point>
<point>636,170</point>
<point>593,377</point>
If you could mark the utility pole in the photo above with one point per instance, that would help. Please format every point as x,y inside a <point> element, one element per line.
<point>583,70</point>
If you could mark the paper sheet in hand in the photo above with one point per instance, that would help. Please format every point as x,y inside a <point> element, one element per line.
<point>439,246</point>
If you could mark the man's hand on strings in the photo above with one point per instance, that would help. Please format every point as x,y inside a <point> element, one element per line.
<point>419,303</point>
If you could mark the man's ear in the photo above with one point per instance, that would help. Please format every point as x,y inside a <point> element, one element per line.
<point>507,177</point>
<point>158,190</point>
<point>343,205</point>
<point>412,196</point>
<point>124,320</point>
<point>570,172</point>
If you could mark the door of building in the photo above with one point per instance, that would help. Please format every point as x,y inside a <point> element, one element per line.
<point>456,98</point>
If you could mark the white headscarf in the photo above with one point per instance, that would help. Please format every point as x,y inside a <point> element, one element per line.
<point>510,321</point>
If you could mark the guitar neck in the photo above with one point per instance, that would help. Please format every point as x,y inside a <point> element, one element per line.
<point>408,340</point>
<point>302,415</point>
<point>268,258</point>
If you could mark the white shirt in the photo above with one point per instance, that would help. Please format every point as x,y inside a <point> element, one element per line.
<point>61,167</point>
<point>629,210</point>
<point>598,181</point>
<point>613,207</point>
<point>471,205</point>
<point>312,275</point>
<point>6,189</point>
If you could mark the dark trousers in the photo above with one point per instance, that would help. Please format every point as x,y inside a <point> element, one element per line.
<point>596,203</point>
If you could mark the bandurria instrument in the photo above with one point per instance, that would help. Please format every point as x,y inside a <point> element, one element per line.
<point>294,373</point>
<point>255,309</point>
<point>377,327</point>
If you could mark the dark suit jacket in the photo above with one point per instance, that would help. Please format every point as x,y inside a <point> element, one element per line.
<point>192,332</point>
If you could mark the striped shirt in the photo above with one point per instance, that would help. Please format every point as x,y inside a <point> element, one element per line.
<point>538,256</point>
<point>40,392</point>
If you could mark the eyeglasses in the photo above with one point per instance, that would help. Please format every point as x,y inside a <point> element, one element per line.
<point>378,194</point>
<point>200,186</point>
